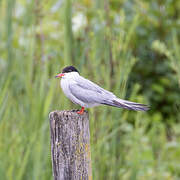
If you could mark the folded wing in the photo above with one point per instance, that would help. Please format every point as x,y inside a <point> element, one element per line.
<point>89,92</point>
<point>88,95</point>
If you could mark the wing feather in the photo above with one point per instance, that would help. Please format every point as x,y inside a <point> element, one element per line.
<point>89,85</point>
<point>89,92</point>
<point>86,95</point>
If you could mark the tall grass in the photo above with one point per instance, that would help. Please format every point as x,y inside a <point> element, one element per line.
<point>37,41</point>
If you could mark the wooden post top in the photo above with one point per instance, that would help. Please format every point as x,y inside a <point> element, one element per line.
<point>68,113</point>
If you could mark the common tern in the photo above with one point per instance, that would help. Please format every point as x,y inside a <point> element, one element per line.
<point>88,94</point>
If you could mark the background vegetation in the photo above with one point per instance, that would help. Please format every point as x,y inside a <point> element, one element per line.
<point>129,47</point>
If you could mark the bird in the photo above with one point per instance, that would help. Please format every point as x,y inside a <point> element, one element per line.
<point>87,94</point>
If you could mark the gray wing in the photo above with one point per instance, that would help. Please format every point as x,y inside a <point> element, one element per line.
<point>89,92</point>
<point>87,84</point>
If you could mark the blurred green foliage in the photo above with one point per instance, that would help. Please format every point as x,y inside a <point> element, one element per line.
<point>129,47</point>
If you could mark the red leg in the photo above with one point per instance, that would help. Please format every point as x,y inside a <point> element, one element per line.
<point>81,111</point>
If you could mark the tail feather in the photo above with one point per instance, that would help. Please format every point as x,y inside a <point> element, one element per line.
<point>127,105</point>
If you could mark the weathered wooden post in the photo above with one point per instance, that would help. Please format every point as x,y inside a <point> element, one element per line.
<point>70,145</point>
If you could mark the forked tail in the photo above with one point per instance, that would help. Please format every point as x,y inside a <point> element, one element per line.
<point>127,105</point>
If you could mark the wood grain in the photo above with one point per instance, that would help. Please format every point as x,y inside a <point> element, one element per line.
<point>70,145</point>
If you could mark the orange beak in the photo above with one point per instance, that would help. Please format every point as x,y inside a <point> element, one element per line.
<point>59,75</point>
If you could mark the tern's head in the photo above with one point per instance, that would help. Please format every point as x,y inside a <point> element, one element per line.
<point>68,71</point>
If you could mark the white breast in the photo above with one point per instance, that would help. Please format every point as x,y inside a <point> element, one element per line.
<point>64,83</point>
<point>69,79</point>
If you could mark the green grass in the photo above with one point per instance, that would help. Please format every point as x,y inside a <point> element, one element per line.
<point>36,43</point>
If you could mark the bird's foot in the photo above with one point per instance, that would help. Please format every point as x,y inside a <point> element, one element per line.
<point>81,111</point>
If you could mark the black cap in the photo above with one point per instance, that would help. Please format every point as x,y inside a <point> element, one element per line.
<point>69,69</point>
